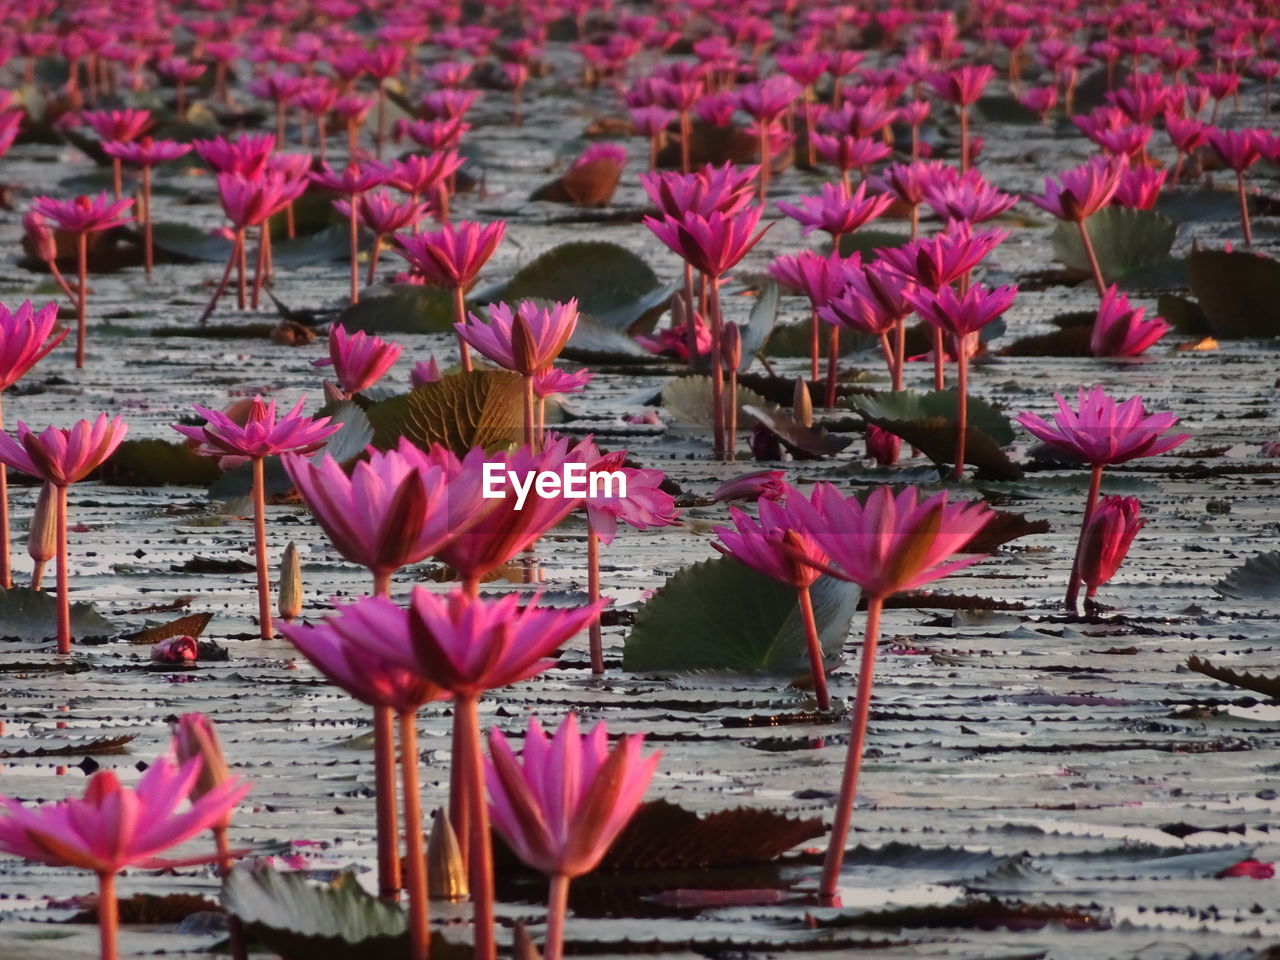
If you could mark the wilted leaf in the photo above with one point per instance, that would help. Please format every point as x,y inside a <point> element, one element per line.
<point>1124,240</point>
<point>688,400</point>
<point>1237,292</point>
<point>192,625</point>
<point>406,308</point>
<point>935,437</point>
<point>604,276</point>
<point>803,443</point>
<point>153,462</point>
<point>1257,579</point>
<point>722,615</point>
<point>27,614</point>
<point>460,411</point>
<point>302,920</point>
<point>1268,686</point>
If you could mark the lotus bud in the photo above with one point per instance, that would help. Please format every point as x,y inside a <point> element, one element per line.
<point>176,650</point>
<point>446,873</point>
<point>290,583</point>
<point>40,237</point>
<point>424,371</point>
<point>522,945</point>
<point>882,446</point>
<point>334,394</point>
<point>802,404</point>
<point>731,347</point>
<point>523,348</point>
<point>42,542</point>
<point>194,735</point>
<point>1114,523</point>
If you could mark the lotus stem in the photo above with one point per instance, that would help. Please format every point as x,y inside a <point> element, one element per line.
<point>415,857</point>
<point>717,370</point>
<point>1093,258</point>
<point>1244,209</point>
<point>962,411</point>
<point>731,416</point>
<point>814,645</point>
<point>964,139</point>
<point>593,594</point>
<point>148,246</point>
<point>117,177</point>
<point>467,724</point>
<point>833,365</point>
<point>557,907</point>
<point>765,159</point>
<point>1073,584</point>
<point>6,566</point>
<point>380,132</point>
<point>82,292</point>
<point>64,597</point>
<point>530,414</point>
<point>234,930</point>
<point>354,225</point>
<point>939,361</point>
<point>373,261</point>
<point>242,270</point>
<point>686,134</point>
<point>280,120</point>
<point>815,345</point>
<point>460,316</point>
<point>226,277</point>
<point>384,776</point>
<point>108,916</point>
<point>853,760</point>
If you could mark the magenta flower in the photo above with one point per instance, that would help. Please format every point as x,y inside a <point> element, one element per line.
<point>146,152</point>
<point>907,182</point>
<point>552,381</point>
<point>847,152</point>
<point>712,244</point>
<point>382,216</point>
<point>944,258</point>
<point>120,125</point>
<point>423,372</point>
<point>1105,540</point>
<point>1103,431</point>
<point>968,197</point>
<point>1239,150</point>
<point>819,278</point>
<point>428,176</point>
<point>564,802</point>
<point>247,155</point>
<point>26,337</point>
<point>1139,188</point>
<point>1121,330</point>
<point>355,178</point>
<point>358,360</point>
<point>526,340</point>
<point>62,457</point>
<point>1081,192</point>
<point>726,189</point>
<point>249,200</point>
<point>963,85</point>
<point>761,485</point>
<point>837,211</point>
<point>960,316</point>
<point>83,215</point>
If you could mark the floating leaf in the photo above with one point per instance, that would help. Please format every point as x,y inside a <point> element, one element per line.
<point>1065,342</point>
<point>1257,579</point>
<point>935,437</point>
<point>910,405</point>
<point>1003,527</point>
<point>190,243</point>
<point>722,615</point>
<point>302,920</point>
<point>803,443</point>
<point>1185,315</point>
<point>594,342</point>
<point>605,277</point>
<point>331,243</point>
<point>192,625</point>
<point>96,747</point>
<point>27,614</point>
<point>688,400</point>
<point>354,434</point>
<point>153,462</point>
<point>760,324</point>
<point>460,411</point>
<point>1237,292</point>
<point>1005,109</point>
<point>1124,240</point>
<point>406,308</point>
<point>151,908</point>
<point>868,242</point>
<point>1268,686</point>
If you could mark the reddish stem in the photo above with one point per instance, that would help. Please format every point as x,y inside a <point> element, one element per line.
<point>266,630</point>
<point>833,364</point>
<point>593,594</point>
<point>814,645</point>
<point>460,316</point>
<point>530,414</point>
<point>108,916</point>
<point>148,245</point>
<point>373,261</point>
<point>939,361</point>
<point>557,907</point>
<point>82,292</point>
<point>1073,584</point>
<point>354,223</point>
<point>234,931</point>
<point>731,413</point>
<point>962,412</point>
<point>1093,258</point>
<point>1244,209</point>
<point>853,759</point>
<point>717,371</point>
<point>416,872</point>
<point>6,567</point>
<point>64,596</point>
<point>466,719</point>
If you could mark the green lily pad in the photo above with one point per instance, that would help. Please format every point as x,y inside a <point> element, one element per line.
<point>688,400</point>
<point>1237,291</point>
<point>1124,241</point>
<point>909,405</point>
<point>605,277</point>
<point>460,410</point>
<point>760,323</point>
<point>595,342</point>
<point>640,315</point>
<point>406,308</point>
<point>190,243</point>
<point>324,246</point>
<point>1258,578</point>
<point>868,242</point>
<point>1000,108</point>
<point>32,615</point>
<point>722,615</point>
<point>1186,315</point>
<point>299,919</point>
<point>154,462</point>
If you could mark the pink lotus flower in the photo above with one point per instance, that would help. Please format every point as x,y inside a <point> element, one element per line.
<point>1081,192</point>
<point>1139,188</point>
<point>83,215</point>
<point>1040,101</point>
<point>427,176</point>
<point>945,258</point>
<point>423,372</point>
<point>646,504</point>
<point>963,85</point>
<point>525,341</point>
<point>1239,150</point>
<point>119,125</point>
<point>760,544</point>
<point>26,337</point>
<point>837,211</point>
<point>564,802</point>
<point>435,134</point>
<point>968,197</point>
<point>1102,431</point>
<point>726,189</point>
<point>263,434</point>
<point>819,278</point>
<point>358,360</point>
<point>761,485</point>
<point>553,382</point>
<point>711,244</point>
<point>960,316</point>
<point>1121,330</point>
<point>355,178</point>
<point>848,152</point>
<point>249,201</point>
<point>454,254</point>
<point>1253,869</point>
<point>62,457</point>
<point>1106,537</point>
<point>247,155</point>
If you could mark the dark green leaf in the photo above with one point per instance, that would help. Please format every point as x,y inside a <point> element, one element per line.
<point>1238,292</point>
<point>155,463</point>
<point>1186,315</point>
<point>909,405</point>
<point>1268,686</point>
<point>803,443</point>
<point>688,400</point>
<point>406,308</point>
<point>722,615</point>
<point>1124,240</point>
<point>867,242</point>
<point>1257,579</point>
<point>605,277</point>
<point>190,243</point>
<point>594,342</point>
<point>27,614</point>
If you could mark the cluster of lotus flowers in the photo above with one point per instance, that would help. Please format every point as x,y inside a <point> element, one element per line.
<point>566,797</point>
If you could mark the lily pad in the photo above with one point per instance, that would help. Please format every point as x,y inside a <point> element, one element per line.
<point>190,243</point>
<point>688,400</point>
<point>300,919</point>
<point>323,246</point>
<point>640,315</point>
<point>595,342</point>
<point>803,443</point>
<point>1267,686</point>
<point>1124,240</point>
<point>461,410</point>
<point>1257,579</point>
<point>32,615</point>
<point>910,405</point>
<point>721,615</point>
<point>354,434</point>
<point>868,242</point>
<point>604,276</point>
<point>1186,315</point>
<point>153,462</point>
<point>405,308</point>
<point>1237,291</point>
<point>760,324</point>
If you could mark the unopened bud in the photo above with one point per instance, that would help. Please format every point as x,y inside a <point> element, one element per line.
<point>731,347</point>
<point>523,348</point>
<point>802,404</point>
<point>42,542</point>
<point>194,735</point>
<point>40,237</point>
<point>446,875</point>
<point>290,583</point>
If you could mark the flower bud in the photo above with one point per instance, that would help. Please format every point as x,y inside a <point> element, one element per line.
<point>446,874</point>
<point>194,735</point>
<point>731,347</point>
<point>1114,523</point>
<point>290,583</point>
<point>882,446</point>
<point>176,650</point>
<point>42,542</point>
<point>40,237</point>
<point>802,404</point>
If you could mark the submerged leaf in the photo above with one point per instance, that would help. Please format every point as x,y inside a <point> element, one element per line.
<point>722,615</point>
<point>461,410</point>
